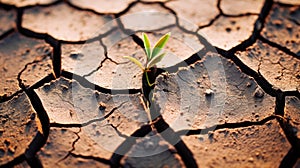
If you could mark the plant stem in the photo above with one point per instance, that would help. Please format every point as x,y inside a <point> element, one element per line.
<point>147,78</point>
<point>146,107</point>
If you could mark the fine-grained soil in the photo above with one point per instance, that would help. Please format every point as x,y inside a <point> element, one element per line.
<point>227,93</point>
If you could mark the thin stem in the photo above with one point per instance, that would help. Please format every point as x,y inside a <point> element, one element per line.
<point>147,78</point>
<point>146,107</point>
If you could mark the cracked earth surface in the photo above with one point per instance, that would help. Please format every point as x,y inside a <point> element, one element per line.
<point>230,96</point>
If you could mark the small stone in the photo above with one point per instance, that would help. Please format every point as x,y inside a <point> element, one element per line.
<point>64,88</point>
<point>46,87</point>
<point>289,26</point>
<point>257,154</point>
<point>277,22</point>
<point>259,93</point>
<point>249,84</point>
<point>102,106</point>
<point>251,159</point>
<point>208,92</point>
<point>149,145</point>
<point>28,122</point>
<point>11,149</point>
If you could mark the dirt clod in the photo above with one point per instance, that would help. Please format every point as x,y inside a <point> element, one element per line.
<point>259,93</point>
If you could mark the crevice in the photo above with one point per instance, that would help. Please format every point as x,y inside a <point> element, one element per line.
<point>132,4</point>
<point>279,104</point>
<point>14,162</point>
<point>56,57</point>
<point>93,39</point>
<point>161,126</point>
<point>211,22</point>
<point>102,160</point>
<point>290,159</point>
<point>201,39</point>
<point>258,26</point>
<point>6,6</point>
<point>242,124</point>
<point>231,15</point>
<point>46,36</point>
<point>192,59</point>
<point>79,125</point>
<point>126,145</point>
<point>295,93</point>
<point>130,33</point>
<point>54,43</point>
<point>21,84</point>
<point>294,21</point>
<point>118,132</point>
<point>182,28</point>
<point>284,4</point>
<point>73,145</point>
<point>106,51</point>
<point>4,98</point>
<point>85,9</point>
<point>158,123</point>
<point>95,70</point>
<point>285,124</point>
<point>30,6</point>
<point>38,84</point>
<point>85,83</point>
<point>239,15</point>
<point>261,81</point>
<point>133,35</point>
<point>156,30</point>
<point>42,135</point>
<point>174,139</point>
<point>189,61</point>
<point>101,63</point>
<point>7,33</point>
<point>290,133</point>
<point>278,46</point>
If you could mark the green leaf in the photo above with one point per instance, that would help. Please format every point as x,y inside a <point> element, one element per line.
<point>160,44</point>
<point>147,45</point>
<point>134,60</point>
<point>155,60</point>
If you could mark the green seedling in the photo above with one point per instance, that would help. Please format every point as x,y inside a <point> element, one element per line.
<point>153,54</point>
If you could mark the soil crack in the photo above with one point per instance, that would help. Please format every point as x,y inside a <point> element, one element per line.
<point>70,125</point>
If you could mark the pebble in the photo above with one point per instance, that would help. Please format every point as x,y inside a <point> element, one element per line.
<point>249,84</point>
<point>208,92</point>
<point>257,154</point>
<point>102,106</point>
<point>259,93</point>
<point>277,22</point>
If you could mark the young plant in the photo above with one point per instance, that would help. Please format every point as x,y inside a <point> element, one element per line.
<point>153,54</point>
